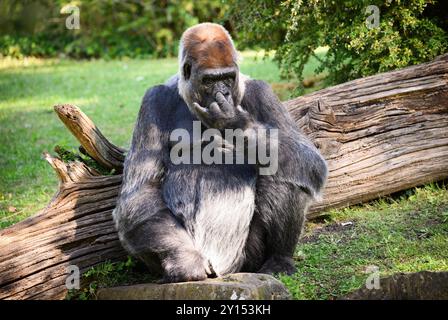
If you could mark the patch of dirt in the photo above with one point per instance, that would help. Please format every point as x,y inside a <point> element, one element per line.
<point>333,228</point>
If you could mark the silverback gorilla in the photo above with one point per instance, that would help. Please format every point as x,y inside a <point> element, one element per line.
<point>190,221</point>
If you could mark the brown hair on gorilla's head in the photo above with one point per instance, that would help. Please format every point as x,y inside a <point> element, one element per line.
<point>208,64</point>
<point>210,45</point>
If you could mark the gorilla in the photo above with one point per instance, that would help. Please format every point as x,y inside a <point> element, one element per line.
<point>191,221</point>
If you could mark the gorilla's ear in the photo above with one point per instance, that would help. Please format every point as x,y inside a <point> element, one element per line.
<point>186,70</point>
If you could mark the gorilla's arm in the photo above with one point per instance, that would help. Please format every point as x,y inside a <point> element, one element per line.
<point>146,227</point>
<point>299,162</point>
<point>282,198</point>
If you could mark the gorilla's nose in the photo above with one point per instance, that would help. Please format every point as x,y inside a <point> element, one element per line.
<point>222,88</point>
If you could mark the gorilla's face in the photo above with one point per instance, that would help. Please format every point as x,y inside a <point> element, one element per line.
<point>201,85</point>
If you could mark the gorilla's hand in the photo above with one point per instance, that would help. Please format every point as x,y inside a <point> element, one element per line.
<point>222,114</point>
<point>189,265</point>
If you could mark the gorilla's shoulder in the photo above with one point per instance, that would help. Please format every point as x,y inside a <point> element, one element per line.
<point>160,100</point>
<point>258,91</point>
<point>259,97</point>
<point>253,86</point>
<point>161,96</point>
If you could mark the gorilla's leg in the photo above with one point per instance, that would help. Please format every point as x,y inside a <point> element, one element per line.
<point>155,236</point>
<point>254,250</point>
<point>282,208</point>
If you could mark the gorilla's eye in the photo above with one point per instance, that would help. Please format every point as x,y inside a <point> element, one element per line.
<point>227,77</point>
<point>208,81</point>
<point>187,70</point>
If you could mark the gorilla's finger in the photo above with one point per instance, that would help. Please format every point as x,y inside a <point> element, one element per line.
<point>241,110</point>
<point>220,98</point>
<point>200,110</point>
<point>214,108</point>
<point>223,103</point>
<point>207,266</point>
<point>211,273</point>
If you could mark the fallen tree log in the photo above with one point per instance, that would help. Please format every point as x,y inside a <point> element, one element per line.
<point>379,134</point>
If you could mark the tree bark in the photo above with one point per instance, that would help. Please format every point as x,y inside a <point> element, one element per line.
<point>379,134</point>
<point>76,227</point>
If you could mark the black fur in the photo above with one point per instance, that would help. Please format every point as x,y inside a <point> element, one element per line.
<point>193,221</point>
<point>159,199</point>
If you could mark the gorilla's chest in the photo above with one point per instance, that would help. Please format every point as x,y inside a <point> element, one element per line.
<point>192,189</point>
<point>200,170</point>
<point>215,204</point>
<point>213,199</point>
<point>201,167</point>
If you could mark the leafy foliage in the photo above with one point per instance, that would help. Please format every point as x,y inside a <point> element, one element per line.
<point>108,28</point>
<point>409,32</point>
<point>67,156</point>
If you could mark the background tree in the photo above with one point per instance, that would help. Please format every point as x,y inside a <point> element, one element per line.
<point>109,28</point>
<point>409,32</point>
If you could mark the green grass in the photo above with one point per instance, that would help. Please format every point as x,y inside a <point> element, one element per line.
<point>408,233</point>
<point>110,274</point>
<point>405,233</point>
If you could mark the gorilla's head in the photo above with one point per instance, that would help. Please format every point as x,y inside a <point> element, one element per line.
<point>208,66</point>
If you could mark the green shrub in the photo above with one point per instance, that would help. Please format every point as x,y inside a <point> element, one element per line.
<point>108,28</point>
<point>409,32</point>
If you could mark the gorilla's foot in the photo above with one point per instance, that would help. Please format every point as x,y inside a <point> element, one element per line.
<point>278,264</point>
<point>186,266</point>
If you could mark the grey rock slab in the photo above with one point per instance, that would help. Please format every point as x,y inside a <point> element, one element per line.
<point>424,285</point>
<point>238,286</point>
